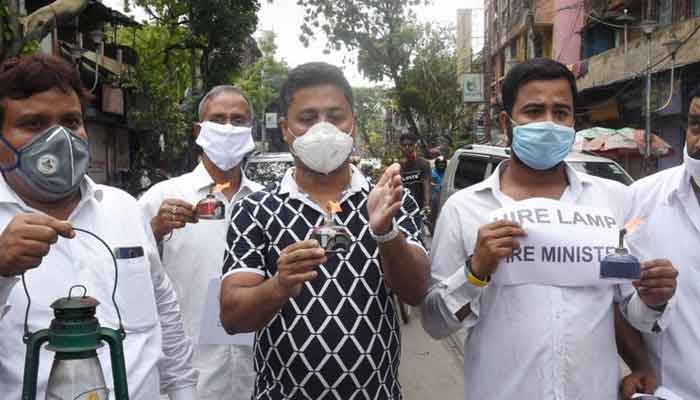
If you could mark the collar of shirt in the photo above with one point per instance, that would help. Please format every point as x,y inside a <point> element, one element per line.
<point>493,184</point>
<point>289,186</point>
<point>679,186</point>
<point>88,189</point>
<point>202,181</point>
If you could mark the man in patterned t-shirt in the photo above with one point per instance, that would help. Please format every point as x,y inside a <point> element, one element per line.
<point>326,323</point>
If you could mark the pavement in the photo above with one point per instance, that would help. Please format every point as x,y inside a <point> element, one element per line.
<point>430,369</point>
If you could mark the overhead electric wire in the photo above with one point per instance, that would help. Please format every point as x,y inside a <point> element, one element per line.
<point>640,74</point>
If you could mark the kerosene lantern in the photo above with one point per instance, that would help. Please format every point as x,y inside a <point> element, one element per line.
<point>210,207</point>
<point>620,264</point>
<point>75,335</point>
<point>332,237</point>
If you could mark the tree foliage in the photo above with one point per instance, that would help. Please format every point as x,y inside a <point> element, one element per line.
<point>263,80</point>
<point>217,32</point>
<point>370,105</point>
<point>432,88</point>
<point>383,32</point>
<point>419,59</point>
<point>187,47</point>
<point>158,85</point>
<point>21,34</point>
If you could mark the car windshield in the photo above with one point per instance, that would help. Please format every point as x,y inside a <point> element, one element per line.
<point>266,172</point>
<point>606,170</point>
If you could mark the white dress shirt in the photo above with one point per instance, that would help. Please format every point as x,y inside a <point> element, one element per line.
<point>527,341</point>
<point>192,257</point>
<point>158,355</point>
<point>671,229</point>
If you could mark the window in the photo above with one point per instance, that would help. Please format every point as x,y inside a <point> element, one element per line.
<point>664,11</point>
<point>597,39</point>
<point>694,8</point>
<point>470,170</point>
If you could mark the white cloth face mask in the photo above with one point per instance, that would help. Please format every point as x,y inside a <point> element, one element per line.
<point>225,145</point>
<point>323,148</point>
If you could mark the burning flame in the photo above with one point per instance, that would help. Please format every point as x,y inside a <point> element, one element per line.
<point>221,187</point>
<point>333,207</point>
<point>633,224</point>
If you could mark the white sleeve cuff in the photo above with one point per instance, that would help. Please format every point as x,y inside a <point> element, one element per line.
<point>459,292</point>
<point>645,318</point>
<point>185,393</point>
<point>6,286</point>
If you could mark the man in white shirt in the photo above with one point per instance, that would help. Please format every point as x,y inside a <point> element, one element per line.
<point>44,193</point>
<point>668,202</point>
<point>532,341</point>
<point>193,248</point>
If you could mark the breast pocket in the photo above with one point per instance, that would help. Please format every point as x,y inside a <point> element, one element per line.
<point>134,294</point>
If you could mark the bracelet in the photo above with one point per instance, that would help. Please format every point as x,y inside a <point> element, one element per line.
<point>471,277</point>
<point>387,237</point>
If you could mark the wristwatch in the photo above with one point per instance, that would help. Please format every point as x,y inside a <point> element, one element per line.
<point>471,276</point>
<point>387,237</point>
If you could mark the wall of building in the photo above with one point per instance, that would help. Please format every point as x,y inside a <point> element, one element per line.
<point>567,23</point>
<point>613,65</point>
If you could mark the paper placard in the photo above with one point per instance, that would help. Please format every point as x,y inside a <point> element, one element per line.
<point>563,247</point>
<point>212,330</point>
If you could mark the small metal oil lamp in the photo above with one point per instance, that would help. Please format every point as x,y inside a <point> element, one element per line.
<point>620,264</point>
<point>210,207</point>
<point>75,335</point>
<point>334,238</point>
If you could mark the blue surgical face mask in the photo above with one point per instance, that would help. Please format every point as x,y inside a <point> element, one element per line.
<point>542,145</point>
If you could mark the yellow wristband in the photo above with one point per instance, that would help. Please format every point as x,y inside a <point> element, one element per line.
<point>476,281</point>
<point>473,279</point>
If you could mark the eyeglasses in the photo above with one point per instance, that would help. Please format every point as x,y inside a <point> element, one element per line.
<point>237,122</point>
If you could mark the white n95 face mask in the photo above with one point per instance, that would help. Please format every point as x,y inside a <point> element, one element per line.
<point>323,148</point>
<point>225,145</point>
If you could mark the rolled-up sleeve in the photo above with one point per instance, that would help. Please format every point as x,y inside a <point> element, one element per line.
<point>638,314</point>
<point>450,290</point>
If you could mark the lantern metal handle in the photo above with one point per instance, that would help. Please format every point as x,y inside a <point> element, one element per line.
<point>121,331</point>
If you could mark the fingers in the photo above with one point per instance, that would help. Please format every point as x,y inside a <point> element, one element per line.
<point>63,228</point>
<point>658,269</point>
<point>657,274</point>
<point>300,255</point>
<point>174,209</point>
<point>305,244</point>
<point>305,266</point>
<point>389,174</point>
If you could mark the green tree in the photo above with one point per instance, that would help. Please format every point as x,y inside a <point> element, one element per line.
<point>370,105</point>
<point>383,32</point>
<point>263,80</point>
<point>20,34</point>
<point>157,85</point>
<point>217,34</point>
<point>433,90</point>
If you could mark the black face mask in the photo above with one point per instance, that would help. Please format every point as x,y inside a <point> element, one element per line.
<point>53,164</point>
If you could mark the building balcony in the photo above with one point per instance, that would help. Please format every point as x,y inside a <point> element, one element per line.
<point>614,65</point>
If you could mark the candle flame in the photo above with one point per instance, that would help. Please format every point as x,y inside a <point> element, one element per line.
<point>333,207</point>
<point>633,224</point>
<point>221,187</point>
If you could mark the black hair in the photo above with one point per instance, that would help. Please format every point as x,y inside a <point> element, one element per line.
<point>693,94</point>
<point>535,69</point>
<point>313,74</point>
<point>23,77</point>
